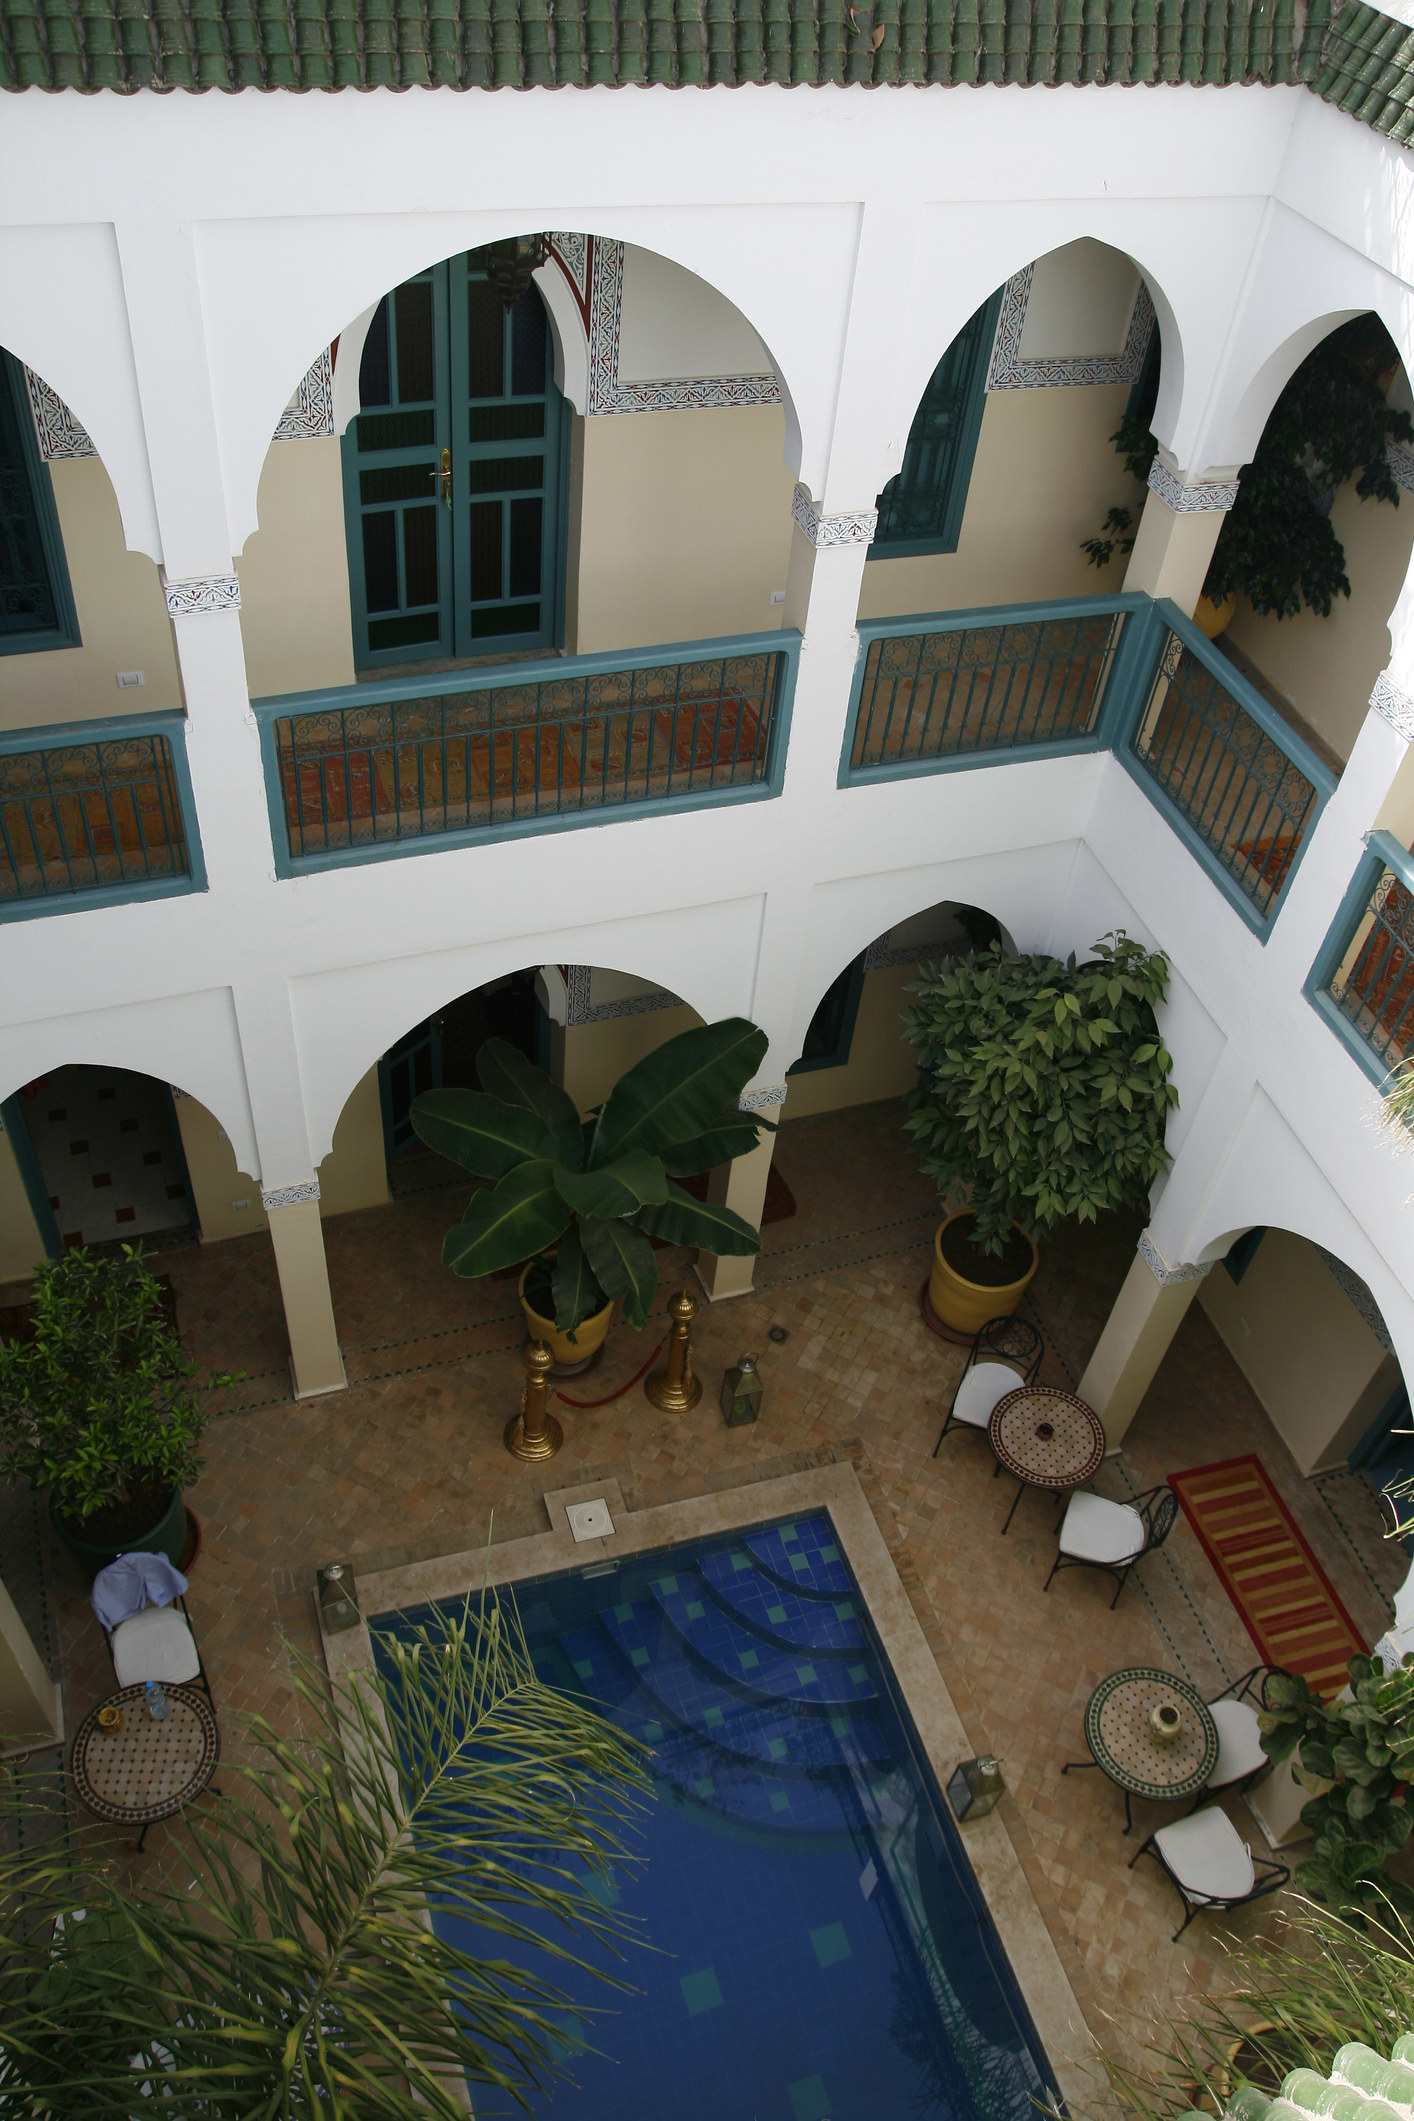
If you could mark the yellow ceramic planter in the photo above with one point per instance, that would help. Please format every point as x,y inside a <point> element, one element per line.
<point>965,1305</point>
<point>1215,618</point>
<point>590,1333</point>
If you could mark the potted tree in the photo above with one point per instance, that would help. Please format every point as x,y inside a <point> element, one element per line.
<point>101,1408</point>
<point>1042,1092</point>
<point>578,1201</point>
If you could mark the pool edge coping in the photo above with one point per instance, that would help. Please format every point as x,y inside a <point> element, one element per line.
<point>1035,1962</point>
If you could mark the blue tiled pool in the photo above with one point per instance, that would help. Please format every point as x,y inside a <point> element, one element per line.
<point>822,1951</point>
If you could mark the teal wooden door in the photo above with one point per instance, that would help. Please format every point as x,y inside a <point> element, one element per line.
<point>454,474</point>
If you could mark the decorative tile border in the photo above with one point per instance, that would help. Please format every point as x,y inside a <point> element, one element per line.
<point>1189,500</point>
<point>762,1100</point>
<point>881,956</point>
<point>608,395</point>
<point>855,529</point>
<point>1360,1296</point>
<point>575,257</point>
<point>202,592</point>
<point>56,430</point>
<point>1401,464</point>
<point>580,1010</point>
<point>1008,371</point>
<point>289,1196</point>
<point>1394,705</point>
<point>312,412</point>
<point>1166,1276</point>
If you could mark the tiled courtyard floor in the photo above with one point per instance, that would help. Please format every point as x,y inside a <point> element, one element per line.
<point>408,1464</point>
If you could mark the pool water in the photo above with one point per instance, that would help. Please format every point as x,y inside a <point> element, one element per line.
<point>822,1952</point>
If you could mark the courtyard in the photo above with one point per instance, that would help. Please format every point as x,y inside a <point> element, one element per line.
<point>408,1465</point>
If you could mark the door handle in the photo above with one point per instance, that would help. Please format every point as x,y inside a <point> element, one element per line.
<point>445,475</point>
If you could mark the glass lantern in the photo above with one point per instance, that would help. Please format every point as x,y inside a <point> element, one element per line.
<point>974,1786</point>
<point>741,1393</point>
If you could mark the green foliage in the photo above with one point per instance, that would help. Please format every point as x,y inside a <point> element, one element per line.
<point>1357,1758</point>
<point>102,1404</point>
<point>1042,1086</point>
<point>599,1191</point>
<point>277,1960</point>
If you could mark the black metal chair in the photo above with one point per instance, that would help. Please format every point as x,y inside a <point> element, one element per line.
<point>1005,1354</point>
<point>1096,1534</point>
<point>1210,1864</point>
<point>1240,1759</point>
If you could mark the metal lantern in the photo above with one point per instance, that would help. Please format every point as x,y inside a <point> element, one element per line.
<point>338,1602</point>
<point>975,1786</point>
<point>741,1393</point>
<point>509,265</point>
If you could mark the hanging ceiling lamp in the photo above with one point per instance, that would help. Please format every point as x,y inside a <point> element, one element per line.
<point>509,265</point>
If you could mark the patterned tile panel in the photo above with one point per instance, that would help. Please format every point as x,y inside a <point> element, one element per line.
<point>806,1623</point>
<point>745,1660</point>
<point>804,1555</point>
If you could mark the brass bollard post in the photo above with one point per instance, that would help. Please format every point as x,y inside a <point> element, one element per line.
<point>534,1432</point>
<point>675,1389</point>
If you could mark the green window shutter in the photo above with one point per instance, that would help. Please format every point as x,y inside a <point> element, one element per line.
<point>920,510</point>
<point>36,604</point>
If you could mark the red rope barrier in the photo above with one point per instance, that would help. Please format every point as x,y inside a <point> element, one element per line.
<point>619,1390</point>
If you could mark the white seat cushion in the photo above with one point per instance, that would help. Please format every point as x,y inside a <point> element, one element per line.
<point>1239,1742</point>
<point>984,1384</point>
<point>1207,1856</point>
<point>1095,1530</point>
<point>155,1644</point>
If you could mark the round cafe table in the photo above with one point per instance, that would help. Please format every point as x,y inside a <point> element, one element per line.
<point>1123,1743</point>
<point>146,1771</point>
<point>1045,1438</point>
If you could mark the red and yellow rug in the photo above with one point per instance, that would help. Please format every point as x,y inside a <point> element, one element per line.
<point>1287,1602</point>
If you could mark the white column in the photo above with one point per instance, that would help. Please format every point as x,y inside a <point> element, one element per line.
<point>1177,533</point>
<point>31,1710</point>
<point>741,1186</point>
<point>316,1365</point>
<point>1146,1315</point>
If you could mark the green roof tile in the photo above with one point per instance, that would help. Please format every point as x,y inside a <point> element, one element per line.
<point>1350,54</point>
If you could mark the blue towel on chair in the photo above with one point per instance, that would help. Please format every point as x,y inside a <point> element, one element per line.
<point>130,1583</point>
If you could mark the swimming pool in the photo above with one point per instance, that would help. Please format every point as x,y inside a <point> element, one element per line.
<point>823,1952</point>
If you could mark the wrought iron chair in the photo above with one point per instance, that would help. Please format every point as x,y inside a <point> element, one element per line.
<point>1210,1864</point>
<point>1240,1757</point>
<point>1005,1354</point>
<point>1096,1534</point>
<point>158,1643</point>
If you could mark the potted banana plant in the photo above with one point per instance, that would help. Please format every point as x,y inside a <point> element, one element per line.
<point>578,1201</point>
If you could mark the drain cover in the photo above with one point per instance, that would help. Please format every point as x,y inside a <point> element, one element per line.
<point>590,1520</point>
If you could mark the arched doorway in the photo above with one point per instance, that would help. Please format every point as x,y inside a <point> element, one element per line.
<point>441,1051</point>
<point>455,473</point>
<point>99,1153</point>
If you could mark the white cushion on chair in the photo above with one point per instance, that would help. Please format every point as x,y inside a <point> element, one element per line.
<point>979,1392</point>
<point>1207,1856</point>
<point>1106,1532</point>
<point>155,1644</point>
<point>1239,1742</point>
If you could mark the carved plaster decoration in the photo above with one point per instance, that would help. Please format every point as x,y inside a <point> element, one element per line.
<point>607,394</point>
<point>289,1196</point>
<point>854,529</point>
<point>882,955</point>
<point>580,1010</point>
<point>1166,1276</point>
<point>56,430</point>
<point>575,257</point>
<point>1189,500</point>
<point>1401,464</point>
<point>202,592</point>
<point>762,1100</point>
<point>1008,371</point>
<point>1394,705</point>
<point>1360,1296</point>
<point>311,411</point>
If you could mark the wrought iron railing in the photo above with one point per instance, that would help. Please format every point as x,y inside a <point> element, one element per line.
<point>1245,786</point>
<point>1363,981</point>
<point>369,768</point>
<point>1023,679</point>
<point>88,810</point>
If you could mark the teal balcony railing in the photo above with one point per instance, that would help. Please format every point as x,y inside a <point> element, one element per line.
<point>95,812</point>
<point>1238,783</point>
<point>1363,980</point>
<point>366,771</point>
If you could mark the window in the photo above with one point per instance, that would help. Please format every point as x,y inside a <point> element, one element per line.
<point>36,605</point>
<point>920,510</point>
<point>831,1032</point>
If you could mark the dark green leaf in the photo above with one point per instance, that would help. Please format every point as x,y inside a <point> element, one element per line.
<point>622,1188</point>
<point>507,1223</point>
<point>678,1090</point>
<point>719,1145</point>
<point>508,1074</point>
<point>577,1293</point>
<point>478,1132</point>
<point>623,1264</point>
<point>685,1221</point>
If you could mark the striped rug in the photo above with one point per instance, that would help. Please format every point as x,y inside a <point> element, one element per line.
<point>1287,1602</point>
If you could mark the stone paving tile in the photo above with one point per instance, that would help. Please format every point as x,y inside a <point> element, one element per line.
<point>409,1464</point>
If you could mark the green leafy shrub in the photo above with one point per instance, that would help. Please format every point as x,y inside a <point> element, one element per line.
<point>1357,1759</point>
<point>1042,1087</point>
<point>101,1405</point>
<point>597,1190</point>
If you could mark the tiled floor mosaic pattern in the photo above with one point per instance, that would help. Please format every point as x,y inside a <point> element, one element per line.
<point>105,1148</point>
<point>408,1464</point>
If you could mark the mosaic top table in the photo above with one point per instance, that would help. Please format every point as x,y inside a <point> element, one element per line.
<point>1125,1746</point>
<point>146,1771</point>
<point>1045,1438</point>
